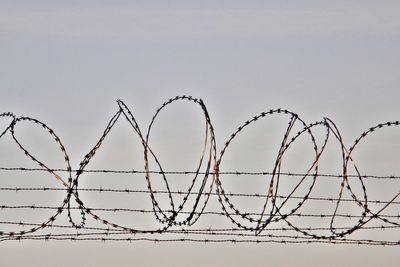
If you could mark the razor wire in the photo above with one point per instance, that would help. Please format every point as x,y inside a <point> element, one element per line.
<point>177,223</point>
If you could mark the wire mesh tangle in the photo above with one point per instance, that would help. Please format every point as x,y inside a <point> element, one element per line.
<point>206,211</point>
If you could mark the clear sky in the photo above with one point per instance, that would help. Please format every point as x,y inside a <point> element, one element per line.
<point>66,64</point>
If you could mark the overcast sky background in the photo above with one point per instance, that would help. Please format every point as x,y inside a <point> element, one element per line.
<point>66,64</point>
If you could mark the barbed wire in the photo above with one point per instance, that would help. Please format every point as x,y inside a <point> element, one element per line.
<point>134,191</point>
<point>186,207</point>
<point>237,173</point>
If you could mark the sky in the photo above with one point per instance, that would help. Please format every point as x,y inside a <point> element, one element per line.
<point>66,63</point>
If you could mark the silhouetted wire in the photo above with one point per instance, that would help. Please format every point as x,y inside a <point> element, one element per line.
<point>237,173</point>
<point>135,191</point>
<point>208,181</point>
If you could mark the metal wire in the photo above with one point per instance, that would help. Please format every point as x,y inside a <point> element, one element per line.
<point>186,207</point>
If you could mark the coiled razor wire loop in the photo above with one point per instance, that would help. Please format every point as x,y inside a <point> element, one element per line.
<point>273,186</point>
<point>206,176</point>
<point>211,157</point>
<point>66,185</point>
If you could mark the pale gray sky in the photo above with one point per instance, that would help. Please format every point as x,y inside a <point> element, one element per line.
<point>66,64</point>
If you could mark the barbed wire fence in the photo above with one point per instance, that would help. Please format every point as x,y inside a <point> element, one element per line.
<point>206,212</point>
